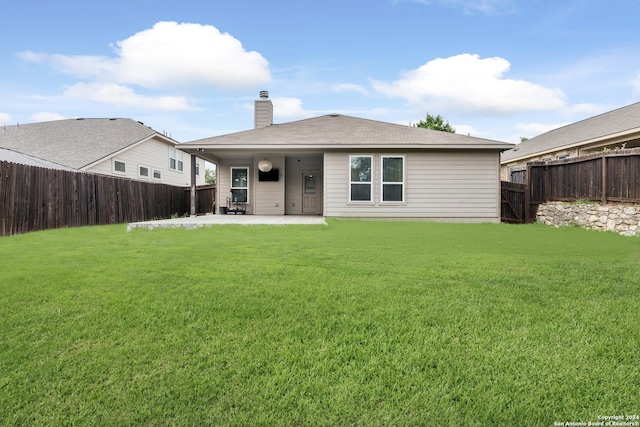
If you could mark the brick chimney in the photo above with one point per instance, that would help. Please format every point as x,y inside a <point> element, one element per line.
<point>263,111</point>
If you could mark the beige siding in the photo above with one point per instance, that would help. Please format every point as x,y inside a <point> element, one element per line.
<point>152,154</point>
<point>449,186</point>
<point>269,196</point>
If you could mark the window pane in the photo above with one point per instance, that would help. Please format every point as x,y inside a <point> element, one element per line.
<point>361,169</point>
<point>172,163</point>
<point>309,184</point>
<point>119,166</point>
<point>157,174</point>
<point>392,192</point>
<point>144,171</point>
<point>180,166</point>
<point>392,169</point>
<point>361,192</point>
<point>239,178</point>
<point>239,195</point>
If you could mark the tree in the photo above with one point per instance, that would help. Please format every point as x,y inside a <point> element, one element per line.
<point>523,139</point>
<point>210,176</point>
<point>435,123</point>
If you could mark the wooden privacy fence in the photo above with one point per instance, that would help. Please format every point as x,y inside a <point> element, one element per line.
<point>205,198</point>
<point>34,198</point>
<point>606,177</point>
<point>515,205</point>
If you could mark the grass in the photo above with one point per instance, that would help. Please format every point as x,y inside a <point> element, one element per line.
<point>357,323</point>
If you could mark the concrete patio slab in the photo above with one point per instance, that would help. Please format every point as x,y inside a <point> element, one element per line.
<point>211,220</point>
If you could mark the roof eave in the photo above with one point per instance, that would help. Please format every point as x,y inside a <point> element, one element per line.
<point>194,148</point>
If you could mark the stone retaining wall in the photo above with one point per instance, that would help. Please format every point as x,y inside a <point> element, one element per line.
<point>622,219</point>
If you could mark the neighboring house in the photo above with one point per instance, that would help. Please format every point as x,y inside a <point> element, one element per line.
<point>7,155</point>
<point>614,129</point>
<point>117,147</point>
<point>342,166</point>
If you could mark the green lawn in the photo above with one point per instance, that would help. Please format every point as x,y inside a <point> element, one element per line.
<point>354,323</point>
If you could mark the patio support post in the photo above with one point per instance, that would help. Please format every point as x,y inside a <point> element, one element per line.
<point>194,159</point>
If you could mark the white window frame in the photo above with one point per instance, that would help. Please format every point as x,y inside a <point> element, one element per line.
<point>383,182</point>
<point>176,159</point>
<point>231,186</point>
<point>153,174</point>
<point>140,175</point>
<point>116,171</point>
<point>363,183</point>
<point>197,167</point>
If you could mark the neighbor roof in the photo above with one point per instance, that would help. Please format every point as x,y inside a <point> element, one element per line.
<point>613,122</point>
<point>7,155</point>
<point>336,131</point>
<point>76,143</point>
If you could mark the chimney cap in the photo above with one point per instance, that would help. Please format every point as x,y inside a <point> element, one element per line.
<point>264,94</point>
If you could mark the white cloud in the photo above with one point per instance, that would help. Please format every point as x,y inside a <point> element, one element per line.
<point>169,54</point>
<point>530,130</point>
<point>467,82</point>
<point>350,87</point>
<point>588,109</point>
<point>5,119</point>
<point>111,93</point>
<point>466,130</point>
<point>289,108</point>
<point>489,7</point>
<point>45,116</point>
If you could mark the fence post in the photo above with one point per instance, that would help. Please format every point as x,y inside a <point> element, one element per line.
<point>527,197</point>
<point>604,179</point>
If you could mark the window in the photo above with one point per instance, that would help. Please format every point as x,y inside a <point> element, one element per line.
<point>392,179</point>
<point>239,184</point>
<point>143,171</point>
<point>119,167</point>
<point>360,178</point>
<point>197,167</point>
<point>175,159</point>
<point>157,174</point>
<point>562,156</point>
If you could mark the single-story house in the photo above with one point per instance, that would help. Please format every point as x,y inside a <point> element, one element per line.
<point>341,166</point>
<point>615,129</point>
<point>116,147</point>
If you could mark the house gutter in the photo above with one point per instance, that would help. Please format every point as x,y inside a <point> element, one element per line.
<point>321,147</point>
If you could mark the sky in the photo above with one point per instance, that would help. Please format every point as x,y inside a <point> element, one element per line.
<point>496,69</point>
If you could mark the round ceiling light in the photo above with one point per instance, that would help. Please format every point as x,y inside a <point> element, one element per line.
<point>265,165</point>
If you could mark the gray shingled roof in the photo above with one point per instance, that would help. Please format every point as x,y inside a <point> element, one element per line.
<point>619,120</point>
<point>7,155</point>
<point>76,143</point>
<point>335,131</point>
